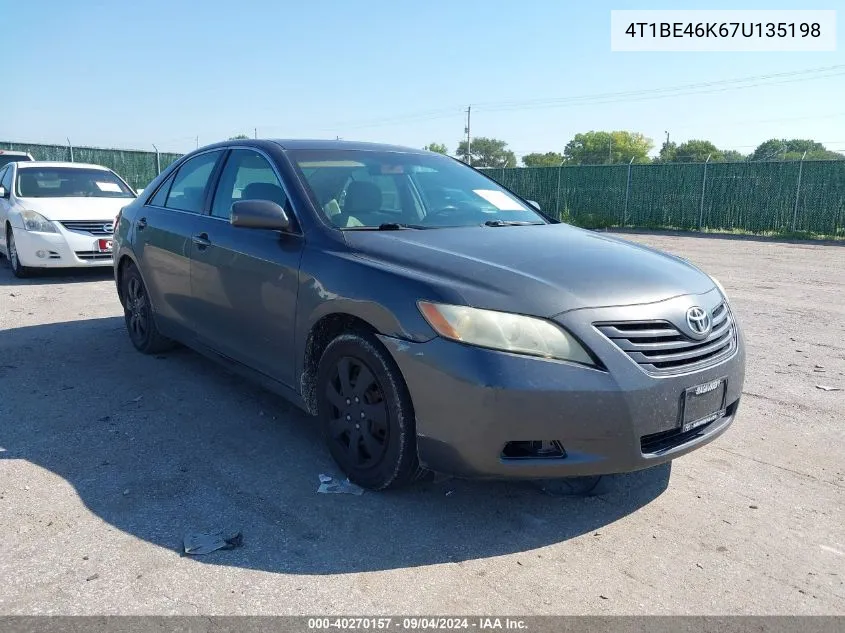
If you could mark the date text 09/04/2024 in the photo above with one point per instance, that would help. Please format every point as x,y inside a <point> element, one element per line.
<point>416,623</point>
<point>724,29</point>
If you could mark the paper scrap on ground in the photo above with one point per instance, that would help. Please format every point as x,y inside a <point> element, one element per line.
<point>205,543</point>
<point>329,485</point>
<point>109,186</point>
<point>827,388</point>
<point>499,199</point>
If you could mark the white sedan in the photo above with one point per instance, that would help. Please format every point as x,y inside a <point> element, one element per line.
<point>59,215</point>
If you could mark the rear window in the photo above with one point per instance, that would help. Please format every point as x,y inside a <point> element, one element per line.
<point>5,159</point>
<point>69,182</point>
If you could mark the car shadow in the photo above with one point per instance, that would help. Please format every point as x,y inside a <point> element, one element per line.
<point>161,446</point>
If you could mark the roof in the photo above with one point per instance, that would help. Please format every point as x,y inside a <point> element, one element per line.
<point>347,145</point>
<point>48,163</point>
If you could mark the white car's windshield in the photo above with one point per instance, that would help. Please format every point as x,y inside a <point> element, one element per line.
<point>69,182</point>
<point>370,189</point>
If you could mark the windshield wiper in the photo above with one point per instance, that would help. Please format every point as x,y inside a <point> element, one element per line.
<point>386,226</point>
<point>510,223</point>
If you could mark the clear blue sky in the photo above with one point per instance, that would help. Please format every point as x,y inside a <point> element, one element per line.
<point>129,74</point>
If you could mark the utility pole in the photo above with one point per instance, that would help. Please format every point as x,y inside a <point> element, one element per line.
<point>469,136</point>
<point>667,139</point>
<point>198,142</point>
<point>610,151</point>
<point>256,132</point>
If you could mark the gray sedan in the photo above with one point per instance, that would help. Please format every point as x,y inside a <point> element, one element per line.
<point>428,317</point>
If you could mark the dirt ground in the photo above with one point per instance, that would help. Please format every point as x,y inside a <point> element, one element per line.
<point>108,457</point>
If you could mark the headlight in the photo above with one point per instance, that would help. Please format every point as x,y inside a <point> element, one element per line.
<point>720,287</point>
<point>33,221</point>
<point>503,331</point>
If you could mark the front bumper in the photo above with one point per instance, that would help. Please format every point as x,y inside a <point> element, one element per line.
<point>471,402</point>
<point>65,249</point>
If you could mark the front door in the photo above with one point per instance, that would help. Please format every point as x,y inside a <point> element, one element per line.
<point>244,281</point>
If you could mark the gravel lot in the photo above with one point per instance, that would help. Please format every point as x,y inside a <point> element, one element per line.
<point>107,458</point>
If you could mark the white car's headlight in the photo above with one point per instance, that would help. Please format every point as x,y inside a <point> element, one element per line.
<point>503,331</point>
<point>33,221</point>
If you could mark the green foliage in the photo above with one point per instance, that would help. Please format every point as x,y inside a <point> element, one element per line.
<point>487,152</point>
<point>601,148</point>
<point>439,148</point>
<point>697,151</point>
<point>793,149</point>
<point>239,137</point>
<point>549,159</point>
<point>733,156</point>
<point>667,153</point>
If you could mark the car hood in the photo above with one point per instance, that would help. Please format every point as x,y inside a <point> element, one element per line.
<point>540,270</point>
<point>62,209</point>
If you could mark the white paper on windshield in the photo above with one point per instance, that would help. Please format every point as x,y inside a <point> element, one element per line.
<point>109,186</point>
<point>499,199</point>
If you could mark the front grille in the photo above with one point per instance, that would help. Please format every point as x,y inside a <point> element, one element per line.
<point>93,255</point>
<point>94,227</point>
<point>660,348</point>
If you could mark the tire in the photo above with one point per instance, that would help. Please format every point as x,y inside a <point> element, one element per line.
<point>18,270</point>
<point>373,437</point>
<point>138,315</point>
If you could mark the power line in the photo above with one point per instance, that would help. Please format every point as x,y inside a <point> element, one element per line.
<point>708,87</point>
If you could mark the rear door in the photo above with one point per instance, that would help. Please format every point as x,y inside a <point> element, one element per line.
<point>244,281</point>
<point>164,228</point>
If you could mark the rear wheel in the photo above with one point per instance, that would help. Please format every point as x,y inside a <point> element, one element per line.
<point>138,315</point>
<point>366,413</point>
<point>18,270</point>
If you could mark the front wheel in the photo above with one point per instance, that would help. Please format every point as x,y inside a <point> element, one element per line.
<point>366,413</point>
<point>18,270</point>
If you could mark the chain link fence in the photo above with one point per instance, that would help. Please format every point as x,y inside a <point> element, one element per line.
<point>772,198</point>
<point>137,167</point>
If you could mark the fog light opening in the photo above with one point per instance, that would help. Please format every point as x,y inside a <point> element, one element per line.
<point>535,449</point>
<point>41,254</point>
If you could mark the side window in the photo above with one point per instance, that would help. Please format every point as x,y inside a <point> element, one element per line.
<point>188,190</point>
<point>246,176</point>
<point>6,179</point>
<point>160,197</point>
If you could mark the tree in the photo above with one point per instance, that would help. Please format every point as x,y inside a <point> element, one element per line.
<point>696,151</point>
<point>792,149</point>
<point>601,148</point>
<point>733,156</point>
<point>667,153</point>
<point>487,152</point>
<point>439,148</point>
<point>239,137</point>
<point>549,159</point>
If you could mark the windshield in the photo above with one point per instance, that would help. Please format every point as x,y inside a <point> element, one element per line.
<point>5,159</point>
<point>368,189</point>
<point>70,182</point>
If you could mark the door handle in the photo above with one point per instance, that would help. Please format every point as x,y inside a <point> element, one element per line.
<point>141,224</point>
<point>201,241</point>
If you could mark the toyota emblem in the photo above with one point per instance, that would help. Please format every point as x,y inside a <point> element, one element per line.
<point>698,321</point>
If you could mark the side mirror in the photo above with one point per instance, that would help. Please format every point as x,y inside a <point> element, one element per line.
<point>3,192</point>
<point>535,204</point>
<point>259,214</point>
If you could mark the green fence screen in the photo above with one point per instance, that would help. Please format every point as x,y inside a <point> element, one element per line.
<point>778,198</point>
<point>138,168</point>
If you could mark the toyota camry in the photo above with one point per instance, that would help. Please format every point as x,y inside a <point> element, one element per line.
<point>429,318</point>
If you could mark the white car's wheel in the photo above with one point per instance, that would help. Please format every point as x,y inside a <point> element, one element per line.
<point>18,269</point>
